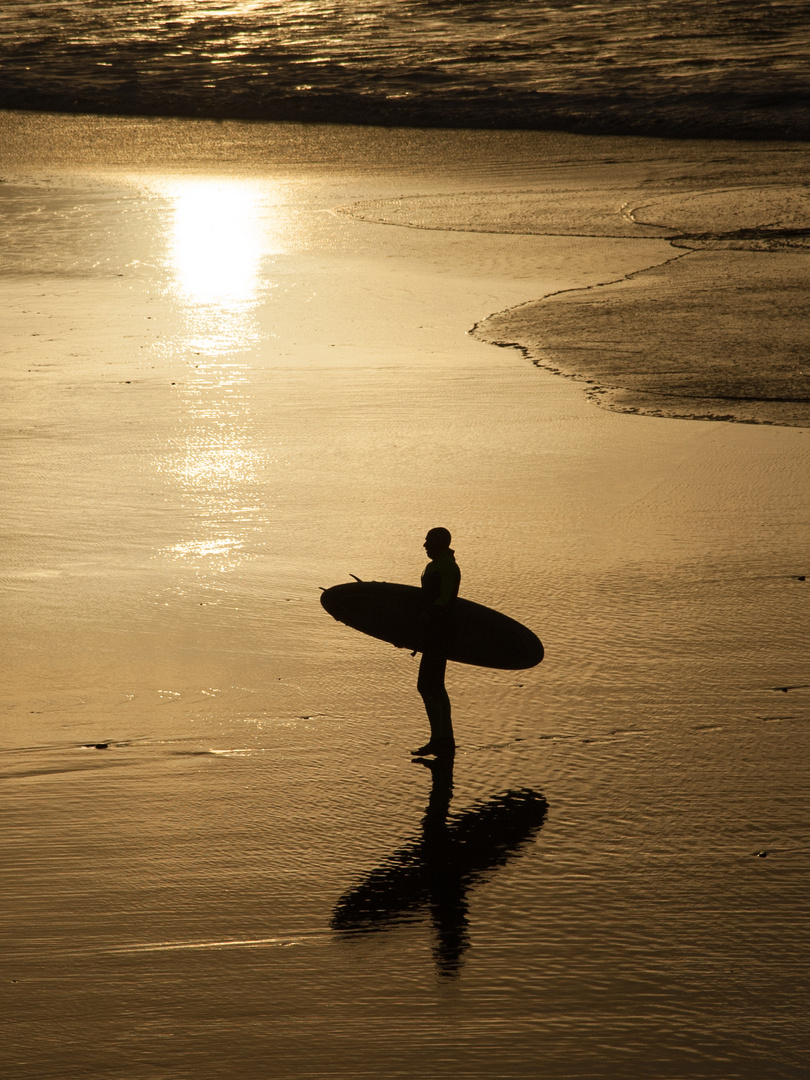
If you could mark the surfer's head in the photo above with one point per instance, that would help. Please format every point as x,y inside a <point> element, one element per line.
<point>437,541</point>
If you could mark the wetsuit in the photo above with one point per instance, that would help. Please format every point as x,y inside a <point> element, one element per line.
<point>440,582</point>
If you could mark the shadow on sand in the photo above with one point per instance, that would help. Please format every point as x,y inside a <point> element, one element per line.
<point>435,872</point>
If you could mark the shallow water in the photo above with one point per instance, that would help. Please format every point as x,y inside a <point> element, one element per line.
<point>205,778</point>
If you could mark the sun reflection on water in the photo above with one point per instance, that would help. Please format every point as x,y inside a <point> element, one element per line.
<point>216,247</point>
<point>221,238</point>
<point>222,230</point>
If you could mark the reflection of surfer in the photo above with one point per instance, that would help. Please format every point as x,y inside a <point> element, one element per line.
<point>435,871</point>
<point>440,582</point>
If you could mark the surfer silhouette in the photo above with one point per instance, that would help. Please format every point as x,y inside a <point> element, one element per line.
<point>440,582</point>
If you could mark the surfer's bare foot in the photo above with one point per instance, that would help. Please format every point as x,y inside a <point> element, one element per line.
<point>436,747</point>
<point>423,751</point>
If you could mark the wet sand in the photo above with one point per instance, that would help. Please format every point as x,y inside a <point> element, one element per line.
<point>219,395</point>
<point>713,327</point>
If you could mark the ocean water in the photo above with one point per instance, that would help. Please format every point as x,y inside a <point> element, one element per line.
<point>680,67</point>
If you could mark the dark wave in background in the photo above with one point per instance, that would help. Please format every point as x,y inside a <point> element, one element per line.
<point>701,68</point>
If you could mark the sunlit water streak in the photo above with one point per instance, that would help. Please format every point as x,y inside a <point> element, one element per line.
<point>234,943</point>
<point>222,237</point>
<point>220,240</point>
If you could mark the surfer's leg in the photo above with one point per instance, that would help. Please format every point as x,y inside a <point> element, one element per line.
<point>441,724</point>
<point>430,685</point>
<point>443,727</point>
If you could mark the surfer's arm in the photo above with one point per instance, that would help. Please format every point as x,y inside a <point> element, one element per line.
<point>448,587</point>
<point>431,585</point>
<point>439,590</point>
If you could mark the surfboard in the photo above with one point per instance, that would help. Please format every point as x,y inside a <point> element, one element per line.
<point>394,613</point>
